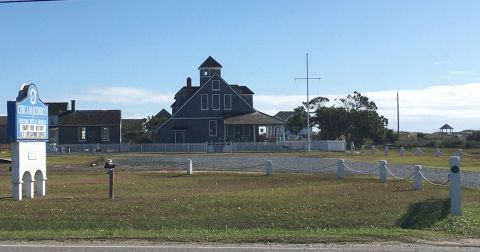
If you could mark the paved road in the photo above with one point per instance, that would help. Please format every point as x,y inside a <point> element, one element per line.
<point>136,246</point>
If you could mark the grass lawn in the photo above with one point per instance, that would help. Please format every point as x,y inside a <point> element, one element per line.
<point>233,207</point>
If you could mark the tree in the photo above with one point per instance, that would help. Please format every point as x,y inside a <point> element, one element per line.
<point>356,118</point>
<point>316,102</point>
<point>298,121</point>
<point>332,121</point>
<point>475,136</point>
<point>133,131</point>
<point>357,102</point>
<point>154,122</point>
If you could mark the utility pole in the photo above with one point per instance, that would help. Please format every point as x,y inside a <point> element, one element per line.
<point>398,119</point>
<point>308,106</point>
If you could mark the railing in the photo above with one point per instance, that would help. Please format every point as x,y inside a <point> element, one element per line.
<point>199,147</point>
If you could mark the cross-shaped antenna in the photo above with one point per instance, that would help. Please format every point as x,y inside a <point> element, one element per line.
<point>308,105</point>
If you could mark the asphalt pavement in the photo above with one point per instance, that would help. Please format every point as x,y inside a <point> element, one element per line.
<point>138,246</point>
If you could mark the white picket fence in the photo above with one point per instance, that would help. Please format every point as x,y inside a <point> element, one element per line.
<point>323,145</point>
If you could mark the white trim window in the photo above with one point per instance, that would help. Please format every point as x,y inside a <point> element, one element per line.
<point>204,102</point>
<point>105,134</point>
<point>215,85</point>
<point>82,134</point>
<point>227,102</point>
<point>215,102</point>
<point>212,128</point>
<point>205,72</point>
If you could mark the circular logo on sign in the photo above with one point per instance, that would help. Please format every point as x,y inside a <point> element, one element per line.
<point>33,96</point>
<point>455,169</point>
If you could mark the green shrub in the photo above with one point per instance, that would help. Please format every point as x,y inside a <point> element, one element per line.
<point>472,144</point>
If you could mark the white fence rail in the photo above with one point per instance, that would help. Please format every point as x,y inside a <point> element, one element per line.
<point>199,147</point>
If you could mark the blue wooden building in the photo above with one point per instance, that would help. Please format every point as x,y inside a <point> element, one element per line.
<point>216,111</point>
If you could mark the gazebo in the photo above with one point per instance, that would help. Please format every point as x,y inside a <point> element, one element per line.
<point>447,129</point>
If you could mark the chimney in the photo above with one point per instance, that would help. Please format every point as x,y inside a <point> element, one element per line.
<point>73,105</point>
<point>189,82</point>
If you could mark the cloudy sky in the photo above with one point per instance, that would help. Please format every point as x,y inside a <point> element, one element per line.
<point>135,55</point>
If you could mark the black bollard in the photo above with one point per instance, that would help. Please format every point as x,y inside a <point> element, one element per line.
<point>110,165</point>
<point>110,193</point>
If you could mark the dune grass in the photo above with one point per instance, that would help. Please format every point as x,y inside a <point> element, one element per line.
<point>233,207</point>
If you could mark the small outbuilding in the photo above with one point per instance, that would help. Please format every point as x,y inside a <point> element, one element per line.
<point>447,129</point>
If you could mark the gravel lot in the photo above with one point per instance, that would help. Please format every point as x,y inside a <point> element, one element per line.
<point>256,162</point>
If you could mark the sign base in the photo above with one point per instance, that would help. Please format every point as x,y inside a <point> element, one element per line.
<point>28,174</point>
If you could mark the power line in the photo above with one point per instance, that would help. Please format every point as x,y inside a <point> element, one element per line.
<point>27,1</point>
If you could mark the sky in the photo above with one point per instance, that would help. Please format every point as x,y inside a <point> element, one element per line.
<point>135,55</point>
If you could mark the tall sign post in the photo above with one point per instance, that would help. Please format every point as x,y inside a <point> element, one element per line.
<point>308,106</point>
<point>28,133</point>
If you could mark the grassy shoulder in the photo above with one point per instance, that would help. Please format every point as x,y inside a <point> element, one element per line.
<point>233,207</point>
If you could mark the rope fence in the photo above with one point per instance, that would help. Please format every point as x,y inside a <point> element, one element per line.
<point>361,172</point>
<point>311,169</point>
<point>417,176</point>
<point>397,177</point>
<point>465,154</point>
<point>341,168</point>
<point>364,150</point>
<point>453,178</point>
<point>435,184</point>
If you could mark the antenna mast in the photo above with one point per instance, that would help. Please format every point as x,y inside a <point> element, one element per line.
<point>308,106</point>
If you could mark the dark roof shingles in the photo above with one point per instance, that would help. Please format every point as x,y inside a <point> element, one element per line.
<point>241,89</point>
<point>90,118</point>
<point>446,126</point>
<point>257,118</point>
<point>56,108</point>
<point>210,62</point>
<point>284,115</point>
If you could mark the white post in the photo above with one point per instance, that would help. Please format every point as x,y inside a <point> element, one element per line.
<point>363,148</point>
<point>418,151</point>
<point>374,150</point>
<point>341,169</point>
<point>402,151</point>
<point>437,153</point>
<point>383,171</point>
<point>352,147</point>
<point>417,178</point>
<point>269,168</point>
<point>189,167</point>
<point>385,151</point>
<point>458,153</point>
<point>454,186</point>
